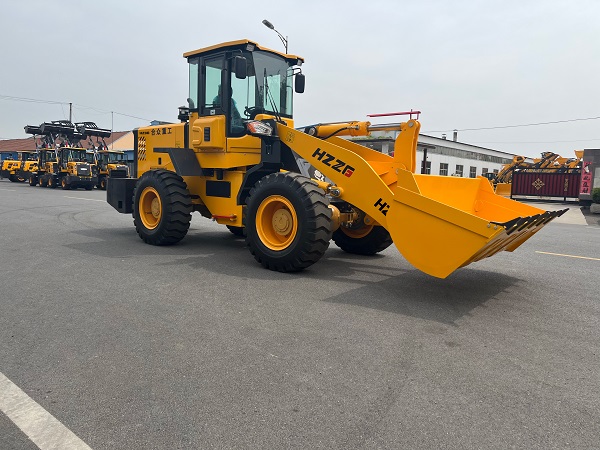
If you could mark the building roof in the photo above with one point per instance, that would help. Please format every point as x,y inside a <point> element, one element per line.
<point>16,145</point>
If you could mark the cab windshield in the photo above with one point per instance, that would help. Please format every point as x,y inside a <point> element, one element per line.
<point>267,88</point>
<point>76,155</point>
<point>116,157</point>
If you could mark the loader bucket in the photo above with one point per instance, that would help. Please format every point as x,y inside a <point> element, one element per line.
<point>440,224</point>
<point>503,189</point>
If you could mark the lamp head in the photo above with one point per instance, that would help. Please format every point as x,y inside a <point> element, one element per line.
<point>268,24</point>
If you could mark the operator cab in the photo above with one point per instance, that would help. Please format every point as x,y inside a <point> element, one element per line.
<point>240,80</point>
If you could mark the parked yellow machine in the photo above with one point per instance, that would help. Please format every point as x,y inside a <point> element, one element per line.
<point>107,162</point>
<point>110,163</point>
<point>233,159</point>
<point>548,162</point>
<point>61,161</point>
<point>18,170</point>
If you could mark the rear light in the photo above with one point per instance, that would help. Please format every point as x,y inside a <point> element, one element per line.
<point>257,127</point>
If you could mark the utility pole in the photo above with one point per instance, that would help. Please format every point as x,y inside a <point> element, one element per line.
<point>70,112</point>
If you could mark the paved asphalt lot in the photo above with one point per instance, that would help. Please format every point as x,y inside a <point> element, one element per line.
<point>196,346</point>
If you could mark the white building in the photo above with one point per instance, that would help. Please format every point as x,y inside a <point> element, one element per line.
<point>447,157</point>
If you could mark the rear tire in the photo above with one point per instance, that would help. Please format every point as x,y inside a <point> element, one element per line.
<point>102,184</point>
<point>52,183</point>
<point>288,222</point>
<point>366,240</point>
<point>66,186</point>
<point>32,180</point>
<point>162,208</point>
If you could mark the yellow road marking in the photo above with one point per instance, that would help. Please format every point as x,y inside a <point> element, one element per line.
<point>569,256</point>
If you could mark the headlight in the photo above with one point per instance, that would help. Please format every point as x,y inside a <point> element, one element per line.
<point>259,128</point>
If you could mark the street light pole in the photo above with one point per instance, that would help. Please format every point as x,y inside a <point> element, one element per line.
<point>284,40</point>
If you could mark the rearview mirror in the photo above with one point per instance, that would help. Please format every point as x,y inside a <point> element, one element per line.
<point>299,83</point>
<point>239,67</point>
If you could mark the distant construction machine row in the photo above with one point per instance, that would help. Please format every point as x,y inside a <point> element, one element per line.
<point>60,159</point>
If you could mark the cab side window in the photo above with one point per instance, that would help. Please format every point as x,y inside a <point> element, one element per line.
<point>212,86</point>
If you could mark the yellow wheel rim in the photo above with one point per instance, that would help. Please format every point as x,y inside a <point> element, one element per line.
<point>276,222</point>
<point>358,233</point>
<point>150,208</point>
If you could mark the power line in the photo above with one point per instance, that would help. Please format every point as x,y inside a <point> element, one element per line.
<point>514,126</point>
<point>31,100</point>
<point>52,102</point>
<point>534,142</point>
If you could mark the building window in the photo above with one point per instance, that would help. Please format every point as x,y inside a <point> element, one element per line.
<point>496,171</point>
<point>484,171</point>
<point>473,172</point>
<point>443,169</point>
<point>428,167</point>
<point>459,170</point>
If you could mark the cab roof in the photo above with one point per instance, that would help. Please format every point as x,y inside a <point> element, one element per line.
<point>238,43</point>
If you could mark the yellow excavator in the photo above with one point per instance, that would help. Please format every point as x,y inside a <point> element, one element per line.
<point>234,159</point>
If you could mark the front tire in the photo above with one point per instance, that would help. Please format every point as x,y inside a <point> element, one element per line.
<point>288,222</point>
<point>366,240</point>
<point>162,208</point>
<point>66,186</point>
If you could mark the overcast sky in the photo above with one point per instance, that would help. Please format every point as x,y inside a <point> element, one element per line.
<point>464,64</point>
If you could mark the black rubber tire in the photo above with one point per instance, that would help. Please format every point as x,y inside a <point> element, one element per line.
<point>52,183</point>
<point>176,207</point>
<point>313,231</point>
<point>102,184</point>
<point>376,241</point>
<point>32,180</point>
<point>65,186</point>
<point>89,187</point>
<point>236,231</point>
<point>41,182</point>
<point>12,178</point>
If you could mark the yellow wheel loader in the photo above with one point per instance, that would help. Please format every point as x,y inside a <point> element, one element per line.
<point>18,170</point>
<point>45,164</point>
<point>62,162</point>
<point>110,163</point>
<point>233,159</point>
<point>107,161</point>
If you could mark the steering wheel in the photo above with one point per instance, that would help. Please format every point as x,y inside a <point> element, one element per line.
<point>252,111</point>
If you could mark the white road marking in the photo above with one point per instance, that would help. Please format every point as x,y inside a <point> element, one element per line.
<point>569,256</point>
<point>9,190</point>
<point>38,424</point>
<point>88,199</point>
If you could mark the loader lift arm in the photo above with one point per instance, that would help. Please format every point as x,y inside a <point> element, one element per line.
<point>438,224</point>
